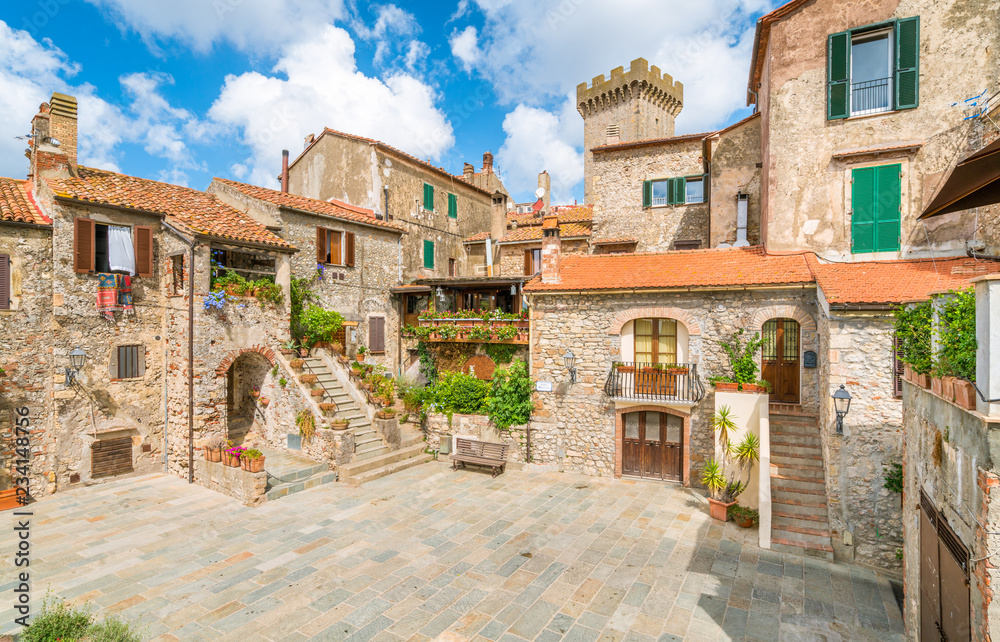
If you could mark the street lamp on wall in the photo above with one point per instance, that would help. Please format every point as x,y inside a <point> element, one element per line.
<point>76,359</point>
<point>570,359</point>
<point>841,404</point>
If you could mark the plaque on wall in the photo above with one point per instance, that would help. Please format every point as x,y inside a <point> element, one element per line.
<point>809,359</point>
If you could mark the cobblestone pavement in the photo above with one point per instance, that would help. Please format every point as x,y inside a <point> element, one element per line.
<point>430,553</point>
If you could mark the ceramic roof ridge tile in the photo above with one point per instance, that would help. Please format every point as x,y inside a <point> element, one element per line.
<point>17,203</point>
<point>332,208</point>
<point>197,211</point>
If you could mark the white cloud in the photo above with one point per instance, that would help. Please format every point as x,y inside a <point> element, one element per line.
<point>390,33</point>
<point>416,54</point>
<point>460,11</point>
<point>246,24</point>
<point>465,47</point>
<point>536,140</point>
<point>317,84</point>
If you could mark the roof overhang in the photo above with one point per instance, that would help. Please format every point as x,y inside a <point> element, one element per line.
<point>974,182</point>
<point>350,221</point>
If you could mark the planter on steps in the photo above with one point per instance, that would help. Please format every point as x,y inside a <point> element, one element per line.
<point>318,392</point>
<point>308,379</point>
<point>296,364</point>
<point>328,407</point>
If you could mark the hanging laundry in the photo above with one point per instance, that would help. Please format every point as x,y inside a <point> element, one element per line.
<point>107,295</point>
<point>125,295</point>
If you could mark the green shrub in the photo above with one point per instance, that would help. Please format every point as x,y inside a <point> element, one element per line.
<point>268,291</point>
<point>913,336</point>
<point>321,325</point>
<point>957,337</point>
<point>428,362</point>
<point>742,358</point>
<point>57,620</point>
<point>510,401</point>
<point>114,629</point>
<point>461,393</point>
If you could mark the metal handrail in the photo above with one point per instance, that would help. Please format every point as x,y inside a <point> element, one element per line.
<point>655,382</point>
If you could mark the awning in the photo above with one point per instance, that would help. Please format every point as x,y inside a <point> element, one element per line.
<point>411,289</point>
<point>973,183</point>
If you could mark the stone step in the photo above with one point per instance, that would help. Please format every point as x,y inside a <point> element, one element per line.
<point>369,452</point>
<point>798,504</point>
<point>815,517</point>
<point>795,471</point>
<point>283,490</point>
<point>800,534</point>
<point>797,459</point>
<point>794,429</point>
<point>795,439</point>
<point>784,448</point>
<point>797,484</point>
<point>369,439</point>
<point>792,547</point>
<point>349,471</point>
<point>285,467</point>
<point>388,469</point>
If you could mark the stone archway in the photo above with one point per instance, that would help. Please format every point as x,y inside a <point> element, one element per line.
<point>763,315</point>
<point>655,312</point>
<point>245,374</point>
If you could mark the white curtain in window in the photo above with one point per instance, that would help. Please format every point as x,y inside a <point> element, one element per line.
<point>121,251</point>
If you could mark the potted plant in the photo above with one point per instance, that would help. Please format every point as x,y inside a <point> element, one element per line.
<point>722,492</point>
<point>362,351</point>
<point>231,456</point>
<point>742,363</point>
<point>328,407</point>
<point>317,392</point>
<point>965,394</point>
<point>743,516</point>
<point>213,449</point>
<point>288,348</point>
<point>304,349</point>
<point>264,401</point>
<point>386,413</point>
<point>340,424</point>
<point>308,378</point>
<point>252,461</point>
<point>296,364</point>
<point>337,347</point>
<point>320,325</point>
<point>255,392</point>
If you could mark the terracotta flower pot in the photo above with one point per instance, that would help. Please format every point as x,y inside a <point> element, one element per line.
<point>255,394</point>
<point>213,454</point>
<point>286,351</point>
<point>296,364</point>
<point>244,463</point>
<point>965,394</point>
<point>752,387</point>
<point>719,510</point>
<point>308,378</point>
<point>231,461</point>
<point>937,386</point>
<point>318,392</point>
<point>303,352</point>
<point>724,386</point>
<point>948,388</point>
<point>360,358</point>
<point>264,401</point>
<point>339,425</point>
<point>256,465</point>
<point>924,381</point>
<point>908,373</point>
<point>744,521</point>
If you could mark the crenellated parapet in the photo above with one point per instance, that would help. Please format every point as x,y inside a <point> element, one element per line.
<point>640,81</point>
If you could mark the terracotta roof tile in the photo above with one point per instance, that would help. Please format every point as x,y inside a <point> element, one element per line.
<point>482,236</point>
<point>645,142</point>
<point>746,266</point>
<point>333,208</point>
<point>891,282</point>
<point>18,205</point>
<point>622,241</point>
<point>567,231</point>
<point>567,214</point>
<point>196,211</point>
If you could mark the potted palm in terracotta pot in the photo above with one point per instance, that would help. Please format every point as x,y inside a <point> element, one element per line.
<point>362,351</point>
<point>722,491</point>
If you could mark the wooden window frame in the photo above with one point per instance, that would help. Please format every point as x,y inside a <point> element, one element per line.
<point>429,244</point>
<point>6,285</point>
<point>452,267</point>
<point>897,368</point>
<point>531,267</point>
<point>654,338</point>
<point>428,198</point>
<point>330,239</point>
<point>85,246</point>
<point>885,210</point>
<point>452,206</point>
<point>130,362</point>
<point>375,322</point>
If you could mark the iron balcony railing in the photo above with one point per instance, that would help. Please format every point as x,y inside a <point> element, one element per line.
<point>655,382</point>
<point>871,96</point>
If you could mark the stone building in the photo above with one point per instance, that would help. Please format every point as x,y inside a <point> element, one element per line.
<point>436,209</point>
<point>350,258</point>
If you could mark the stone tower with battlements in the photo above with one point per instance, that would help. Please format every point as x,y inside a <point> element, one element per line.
<point>632,105</point>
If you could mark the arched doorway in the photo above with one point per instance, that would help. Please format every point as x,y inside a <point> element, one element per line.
<point>245,374</point>
<point>779,359</point>
<point>653,445</point>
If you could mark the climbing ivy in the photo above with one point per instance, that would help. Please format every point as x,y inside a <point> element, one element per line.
<point>509,403</point>
<point>500,353</point>
<point>913,336</point>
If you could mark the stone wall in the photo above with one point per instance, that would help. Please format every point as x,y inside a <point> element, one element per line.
<point>735,160</point>
<point>574,424</point>
<point>808,193</point>
<point>480,428</point>
<point>950,455</point>
<point>24,352</point>
<point>858,355</point>
<point>512,254</point>
<point>617,186</point>
<point>249,488</point>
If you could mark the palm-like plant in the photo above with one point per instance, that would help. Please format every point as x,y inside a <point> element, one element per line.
<point>713,478</point>
<point>724,422</point>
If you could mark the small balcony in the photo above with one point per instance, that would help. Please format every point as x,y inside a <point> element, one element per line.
<point>472,330</point>
<point>674,382</point>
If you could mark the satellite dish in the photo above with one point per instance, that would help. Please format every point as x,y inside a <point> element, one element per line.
<point>540,192</point>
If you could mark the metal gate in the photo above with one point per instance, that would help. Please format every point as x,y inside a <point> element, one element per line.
<point>944,579</point>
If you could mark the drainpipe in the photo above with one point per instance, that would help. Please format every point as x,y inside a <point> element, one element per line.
<point>191,368</point>
<point>166,410</point>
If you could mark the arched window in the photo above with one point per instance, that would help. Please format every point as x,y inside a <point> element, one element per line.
<point>656,341</point>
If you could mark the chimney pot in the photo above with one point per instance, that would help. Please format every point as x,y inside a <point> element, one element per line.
<point>488,163</point>
<point>284,171</point>
<point>551,249</point>
<point>468,170</point>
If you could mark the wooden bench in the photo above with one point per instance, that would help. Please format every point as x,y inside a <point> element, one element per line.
<point>480,453</point>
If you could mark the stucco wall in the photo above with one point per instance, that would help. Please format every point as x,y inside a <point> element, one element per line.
<point>808,191</point>
<point>735,156</point>
<point>617,192</point>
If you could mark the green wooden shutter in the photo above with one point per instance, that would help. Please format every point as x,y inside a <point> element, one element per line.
<point>863,210</point>
<point>678,187</point>
<point>452,206</point>
<point>907,76</point>
<point>428,197</point>
<point>887,201</point>
<point>838,99</point>
<point>647,193</point>
<point>429,254</point>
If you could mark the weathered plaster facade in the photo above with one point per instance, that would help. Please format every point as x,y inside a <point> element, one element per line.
<point>807,159</point>
<point>373,175</point>
<point>735,159</point>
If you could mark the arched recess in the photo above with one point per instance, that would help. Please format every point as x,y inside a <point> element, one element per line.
<point>655,312</point>
<point>763,315</point>
<point>228,360</point>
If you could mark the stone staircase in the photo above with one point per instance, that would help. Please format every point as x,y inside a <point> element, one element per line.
<point>412,453</point>
<point>800,522</point>
<point>288,473</point>
<point>368,443</point>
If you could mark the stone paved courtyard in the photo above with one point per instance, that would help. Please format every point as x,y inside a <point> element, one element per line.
<point>431,553</point>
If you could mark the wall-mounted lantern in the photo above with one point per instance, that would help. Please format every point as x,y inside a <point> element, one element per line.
<point>570,359</point>
<point>841,404</point>
<point>77,357</point>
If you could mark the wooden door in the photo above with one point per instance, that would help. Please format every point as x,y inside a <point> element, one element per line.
<point>780,359</point>
<point>652,445</point>
<point>673,447</point>
<point>930,589</point>
<point>631,444</point>
<point>945,607</point>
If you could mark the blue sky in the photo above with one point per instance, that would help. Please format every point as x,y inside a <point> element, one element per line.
<point>189,89</point>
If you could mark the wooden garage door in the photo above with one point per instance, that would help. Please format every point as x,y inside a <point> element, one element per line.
<point>944,575</point>
<point>111,457</point>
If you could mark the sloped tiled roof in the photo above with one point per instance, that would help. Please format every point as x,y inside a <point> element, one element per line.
<point>621,241</point>
<point>482,236</point>
<point>198,212</point>
<point>646,142</point>
<point>333,208</point>
<point>17,204</point>
<point>745,266</point>
<point>567,231</point>
<point>566,213</point>
<point>892,282</point>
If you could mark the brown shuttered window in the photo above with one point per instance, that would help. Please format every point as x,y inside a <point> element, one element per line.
<point>897,368</point>
<point>321,253</point>
<point>128,362</point>
<point>83,245</point>
<point>4,282</point>
<point>143,238</point>
<point>336,254</point>
<point>349,236</point>
<point>376,334</point>
<point>111,457</point>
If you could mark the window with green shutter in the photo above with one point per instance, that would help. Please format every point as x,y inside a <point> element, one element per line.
<point>673,191</point>
<point>428,196</point>
<point>873,69</point>
<point>452,206</point>
<point>875,205</point>
<point>429,254</point>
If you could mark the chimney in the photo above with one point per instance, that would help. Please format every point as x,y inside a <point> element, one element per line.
<point>62,124</point>
<point>468,170</point>
<point>546,183</point>
<point>309,140</point>
<point>487,163</point>
<point>498,216</point>
<point>52,150</point>
<point>551,249</point>
<point>284,171</point>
